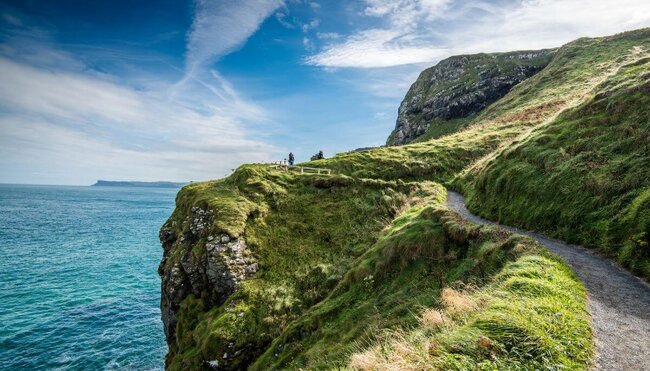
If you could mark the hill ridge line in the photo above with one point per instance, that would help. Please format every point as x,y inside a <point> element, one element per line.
<point>636,54</point>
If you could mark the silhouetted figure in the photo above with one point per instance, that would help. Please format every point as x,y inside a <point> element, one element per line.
<point>318,156</point>
<point>291,158</point>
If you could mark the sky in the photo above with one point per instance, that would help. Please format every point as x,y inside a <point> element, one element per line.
<point>189,90</point>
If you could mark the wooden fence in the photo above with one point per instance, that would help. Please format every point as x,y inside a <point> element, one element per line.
<point>283,165</point>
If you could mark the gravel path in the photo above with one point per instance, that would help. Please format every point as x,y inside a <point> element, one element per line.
<point>619,302</point>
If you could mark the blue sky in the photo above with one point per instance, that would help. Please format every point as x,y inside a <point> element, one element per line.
<point>187,90</point>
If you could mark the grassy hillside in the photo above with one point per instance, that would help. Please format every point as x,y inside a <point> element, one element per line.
<point>585,176</point>
<point>571,78</point>
<point>366,267</point>
<point>304,232</point>
<point>437,291</point>
<point>459,87</point>
<point>565,152</point>
<point>530,316</point>
<point>342,261</point>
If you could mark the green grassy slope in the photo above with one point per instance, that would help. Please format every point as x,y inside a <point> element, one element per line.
<point>584,177</point>
<point>530,316</point>
<point>409,271</point>
<point>569,79</point>
<point>332,278</point>
<point>304,231</point>
<point>359,266</point>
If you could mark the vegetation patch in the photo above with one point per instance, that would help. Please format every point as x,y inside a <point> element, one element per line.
<point>531,315</point>
<point>571,78</point>
<point>435,292</point>
<point>583,177</point>
<point>304,231</point>
<point>365,268</point>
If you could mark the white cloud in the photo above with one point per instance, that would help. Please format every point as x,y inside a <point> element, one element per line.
<point>70,124</point>
<point>328,35</point>
<point>306,42</point>
<point>105,130</point>
<point>281,16</point>
<point>549,23</point>
<point>388,46</point>
<point>311,25</point>
<point>419,31</point>
<point>405,12</point>
<point>375,48</point>
<point>220,26</point>
<point>65,95</point>
<point>39,151</point>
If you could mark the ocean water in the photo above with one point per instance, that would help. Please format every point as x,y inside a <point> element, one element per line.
<point>79,288</point>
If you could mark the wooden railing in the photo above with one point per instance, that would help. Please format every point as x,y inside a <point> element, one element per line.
<point>283,165</point>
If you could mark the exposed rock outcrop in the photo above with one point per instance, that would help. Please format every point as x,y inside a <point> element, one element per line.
<point>200,262</point>
<point>462,86</point>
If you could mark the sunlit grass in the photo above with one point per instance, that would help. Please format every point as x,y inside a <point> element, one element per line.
<point>366,269</point>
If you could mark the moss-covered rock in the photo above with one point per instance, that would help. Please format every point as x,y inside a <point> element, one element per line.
<point>461,86</point>
<point>246,255</point>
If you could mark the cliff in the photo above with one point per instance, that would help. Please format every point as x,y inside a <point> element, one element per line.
<point>246,255</point>
<point>459,87</point>
<point>268,269</point>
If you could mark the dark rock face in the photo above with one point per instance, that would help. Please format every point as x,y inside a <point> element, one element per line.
<point>462,86</point>
<point>197,262</point>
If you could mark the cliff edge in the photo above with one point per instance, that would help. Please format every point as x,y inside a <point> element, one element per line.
<point>459,87</point>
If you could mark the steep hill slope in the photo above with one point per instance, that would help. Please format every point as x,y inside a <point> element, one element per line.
<point>459,87</point>
<point>270,269</point>
<point>618,302</point>
<point>447,292</point>
<point>584,176</point>
<point>245,256</point>
<point>565,151</point>
<point>571,78</point>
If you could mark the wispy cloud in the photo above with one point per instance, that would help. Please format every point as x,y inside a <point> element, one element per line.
<point>310,25</point>
<point>63,122</point>
<point>418,31</point>
<point>375,48</point>
<point>546,23</point>
<point>65,95</point>
<point>328,35</point>
<point>397,43</point>
<point>220,26</point>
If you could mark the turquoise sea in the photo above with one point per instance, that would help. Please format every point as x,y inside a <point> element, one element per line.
<point>79,288</point>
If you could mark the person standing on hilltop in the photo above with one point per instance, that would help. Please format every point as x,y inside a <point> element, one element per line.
<point>291,158</point>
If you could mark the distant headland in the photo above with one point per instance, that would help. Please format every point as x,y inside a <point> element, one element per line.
<point>110,183</point>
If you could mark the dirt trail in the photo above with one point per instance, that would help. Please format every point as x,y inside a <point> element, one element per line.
<point>619,303</point>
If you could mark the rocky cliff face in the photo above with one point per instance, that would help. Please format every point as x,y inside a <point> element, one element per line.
<point>199,262</point>
<point>245,256</point>
<point>462,86</point>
